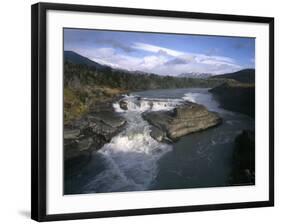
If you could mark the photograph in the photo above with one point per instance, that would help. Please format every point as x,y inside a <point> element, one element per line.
<point>145,111</point>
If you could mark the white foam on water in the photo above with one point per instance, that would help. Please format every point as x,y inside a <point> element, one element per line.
<point>130,157</point>
<point>135,103</point>
<point>207,100</point>
<point>190,97</point>
<point>203,98</point>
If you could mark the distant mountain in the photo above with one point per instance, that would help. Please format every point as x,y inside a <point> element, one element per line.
<point>102,75</point>
<point>195,75</point>
<point>245,76</point>
<point>74,58</point>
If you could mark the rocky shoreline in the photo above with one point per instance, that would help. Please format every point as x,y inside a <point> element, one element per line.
<point>90,133</point>
<point>235,96</point>
<point>244,159</point>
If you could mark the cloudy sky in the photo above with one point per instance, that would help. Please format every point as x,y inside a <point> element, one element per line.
<point>163,54</point>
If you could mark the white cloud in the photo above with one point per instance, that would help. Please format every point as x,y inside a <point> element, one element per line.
<point>110,57</point>
<point>252,60</point>
<point>150,62</point>
<point>164,61</point>
<point>105,52</point>
<point>155,49</point>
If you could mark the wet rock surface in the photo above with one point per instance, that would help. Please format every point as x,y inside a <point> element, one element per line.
<point>184,119</point>
<point>236,97</point>
<point>90,133</point>
<point>123,104</point>
<point>244,159</point>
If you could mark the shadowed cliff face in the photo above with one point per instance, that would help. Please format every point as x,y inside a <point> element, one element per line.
<point>236,97</point>
<point>238,93</point>
<point>244,158</point>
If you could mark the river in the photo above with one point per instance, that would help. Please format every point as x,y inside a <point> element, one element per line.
<point>134,161</point>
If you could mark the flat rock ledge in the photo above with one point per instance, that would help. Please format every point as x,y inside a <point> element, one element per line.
<point>169,126</point>
<point>90,133</point>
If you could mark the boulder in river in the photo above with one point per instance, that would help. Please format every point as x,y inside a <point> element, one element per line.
<point>123,104</point>
<point>184,119</point>
<point>157,134</point>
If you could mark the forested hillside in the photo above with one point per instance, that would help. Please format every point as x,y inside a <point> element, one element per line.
<point>87,84</point>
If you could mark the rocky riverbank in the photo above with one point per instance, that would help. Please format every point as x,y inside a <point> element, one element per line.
<point>244,159</point>
<point>236,96</point>
<point>90,133</point>
<point>184,119</point>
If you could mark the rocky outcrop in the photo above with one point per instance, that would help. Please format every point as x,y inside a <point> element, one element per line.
<point>244,159</point>
<point>90,133</point>
<point>184,119</point>
<point>123,104</point>
<point>235,96</point>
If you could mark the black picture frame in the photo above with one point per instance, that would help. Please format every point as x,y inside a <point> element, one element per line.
<point>38,108</point>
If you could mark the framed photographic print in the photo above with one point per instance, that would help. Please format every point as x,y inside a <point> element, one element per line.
<point>139,111</point>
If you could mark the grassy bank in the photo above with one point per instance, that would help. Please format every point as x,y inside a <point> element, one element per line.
<point>80,101</point>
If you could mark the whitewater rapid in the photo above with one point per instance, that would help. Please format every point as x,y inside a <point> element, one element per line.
<point>131,156</point>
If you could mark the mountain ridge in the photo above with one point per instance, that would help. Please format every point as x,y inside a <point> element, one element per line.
<point>244,75</point>
<point>75,58</point>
